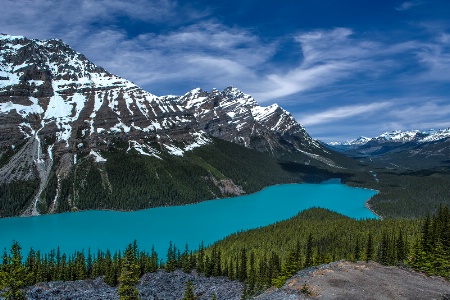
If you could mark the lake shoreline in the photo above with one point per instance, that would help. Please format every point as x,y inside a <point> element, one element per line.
<point>328,181</point>
<point>369,207</point>
<point>194,223</point>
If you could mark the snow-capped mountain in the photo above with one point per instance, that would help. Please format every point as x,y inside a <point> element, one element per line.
<point>399,136</point>
<point>57,107</point>
<point>399,145</point>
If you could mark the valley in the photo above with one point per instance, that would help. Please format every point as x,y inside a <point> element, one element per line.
<point>87,154</point>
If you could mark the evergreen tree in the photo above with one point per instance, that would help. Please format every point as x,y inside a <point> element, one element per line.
<point>110,272</point>
<point>242,274</point>
<point>252,274</point>
<point>129,276</point>
<point>309,252</point>
<point>401,247</point>
<point>189,292</point>
<point>185,260</point>
<point>200,267</point>
<point>357,253</point>
<point>171,263</point>
<point>369,248</point>
<point>231,270</point>
<point>13,275</point>
<point>426,234</point>
<point>153,260</point>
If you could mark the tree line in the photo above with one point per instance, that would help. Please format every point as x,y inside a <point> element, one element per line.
<point>259,258</point>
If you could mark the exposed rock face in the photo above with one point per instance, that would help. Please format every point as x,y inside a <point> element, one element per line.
<point>56,106</point>
<point>152,286</point>
<point>236,117</point>
<point>359,281</point>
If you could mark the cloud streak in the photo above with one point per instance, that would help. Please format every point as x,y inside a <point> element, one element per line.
<point>408,5</point>
<point>344,112</point>
<point>179,47</point>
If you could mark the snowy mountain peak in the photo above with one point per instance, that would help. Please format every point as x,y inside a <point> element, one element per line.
<point>55,96</point>
<point>399,136</point>
<point>60,112</point>
<point>359,141</point>
<point>4,36</point>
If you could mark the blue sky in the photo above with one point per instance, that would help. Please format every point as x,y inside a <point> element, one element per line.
<point>343,68</point>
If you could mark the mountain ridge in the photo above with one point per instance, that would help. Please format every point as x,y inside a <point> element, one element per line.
<point>58,109</point>
<point>400,137</point>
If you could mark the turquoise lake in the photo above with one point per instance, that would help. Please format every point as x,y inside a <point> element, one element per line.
<point>207,221</point>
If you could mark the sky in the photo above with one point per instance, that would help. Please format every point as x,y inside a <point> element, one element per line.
<point>342,68</point>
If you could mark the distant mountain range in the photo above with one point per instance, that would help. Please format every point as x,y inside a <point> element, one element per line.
<point>399,136</point>
<point>59,111</point>
<point>401,149</point>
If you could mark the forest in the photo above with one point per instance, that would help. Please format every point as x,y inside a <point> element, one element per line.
<point>260,258</point>
<point>131,181</point>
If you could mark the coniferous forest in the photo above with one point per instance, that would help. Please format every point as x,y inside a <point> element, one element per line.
<point>260,258</point>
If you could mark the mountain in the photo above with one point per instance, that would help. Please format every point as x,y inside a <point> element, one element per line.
<point>401,149</point>
<point>74,136</point>
<point>399,136</point>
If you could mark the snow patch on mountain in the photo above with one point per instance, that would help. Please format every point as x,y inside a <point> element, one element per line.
<point>88,106</point>
<point>399,136</point>
<point>97,157</point>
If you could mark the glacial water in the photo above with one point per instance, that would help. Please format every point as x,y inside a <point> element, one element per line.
<point>207,221</point>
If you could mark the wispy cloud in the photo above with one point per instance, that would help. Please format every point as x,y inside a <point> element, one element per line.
<point>204,54</point>
<point>339,67</point>
<point>338,124</point>
<point>408,5</point>
<point>419,112</point>
<point>343,112</point>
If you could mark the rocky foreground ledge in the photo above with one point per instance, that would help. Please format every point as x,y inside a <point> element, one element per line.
<point>360,281</point>
<point>337,280</point>
<point>152,286</point>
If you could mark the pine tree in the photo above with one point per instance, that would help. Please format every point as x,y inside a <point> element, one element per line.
<point>13,275</point>
<point>426,234</point>
<point>129,276</point>
<point>252,274</point>
<point>242,274</point>
<point>369,248</point>
<point>171,263</point>
<point>383,250</point>
<point>200,267</point>
<point>110,274</point>
<point>309,252</point>
<point>357,253</point>
<point>231,270</point>
<point>189,292</point>
<point>401,248</point>
<point>153,263</point>
<point>185,260</point>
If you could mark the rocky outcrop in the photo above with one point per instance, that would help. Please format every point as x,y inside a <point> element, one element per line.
<point>152,286</point>
<point>236,117</point>
<point>359,281</point>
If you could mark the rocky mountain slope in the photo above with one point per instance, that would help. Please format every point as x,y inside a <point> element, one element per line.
<point>62,118</point>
